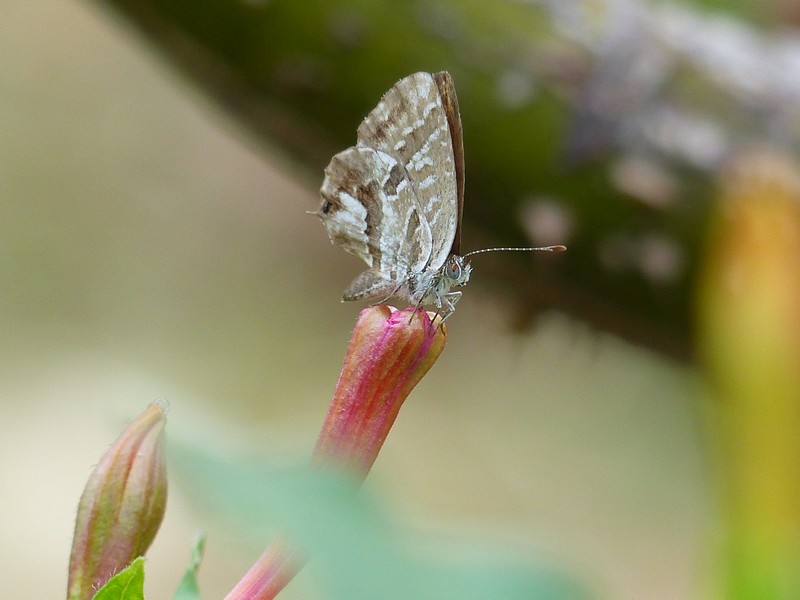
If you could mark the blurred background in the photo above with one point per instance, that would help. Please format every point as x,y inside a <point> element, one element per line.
<point>155,166</point>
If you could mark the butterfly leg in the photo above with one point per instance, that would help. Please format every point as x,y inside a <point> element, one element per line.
<point>438,300</point>
<point>449,301</point>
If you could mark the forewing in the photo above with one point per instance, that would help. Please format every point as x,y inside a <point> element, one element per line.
<point>369,209</point>
<point>411,124</point>
<point>447,92</point>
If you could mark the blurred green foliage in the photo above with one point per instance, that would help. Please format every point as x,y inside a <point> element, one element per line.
<point>600,125</point>
<point>356,551</point>
<point>750,324</point>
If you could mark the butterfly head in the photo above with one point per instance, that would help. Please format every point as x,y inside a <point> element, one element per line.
<point>456,271</point>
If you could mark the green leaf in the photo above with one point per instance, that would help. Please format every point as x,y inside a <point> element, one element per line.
<point>188,588</point>
<point>128,584</point>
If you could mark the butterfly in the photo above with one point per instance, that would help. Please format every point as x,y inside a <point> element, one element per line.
<point>395,199</point>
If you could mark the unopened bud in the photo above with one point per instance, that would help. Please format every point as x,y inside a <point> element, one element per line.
<point>122,505</point>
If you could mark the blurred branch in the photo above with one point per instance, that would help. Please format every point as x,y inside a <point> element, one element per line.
<point>600,125</point>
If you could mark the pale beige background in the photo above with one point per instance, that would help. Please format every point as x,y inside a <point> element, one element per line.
<point>148,251</point>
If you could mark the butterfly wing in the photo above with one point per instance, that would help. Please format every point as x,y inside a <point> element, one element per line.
<point>417,123</point>
<point>447,92</point>
<point>370,210</point>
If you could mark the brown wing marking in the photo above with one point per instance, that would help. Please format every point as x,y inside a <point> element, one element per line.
<point>369,209</point>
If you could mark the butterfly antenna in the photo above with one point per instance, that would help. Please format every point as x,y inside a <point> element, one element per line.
<point>557,248</point>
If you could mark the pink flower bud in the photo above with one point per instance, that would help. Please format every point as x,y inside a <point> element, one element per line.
<point>390,351</point>
<point>122,505</point>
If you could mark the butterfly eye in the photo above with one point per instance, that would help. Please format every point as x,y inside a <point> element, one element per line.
<point>455,270</point>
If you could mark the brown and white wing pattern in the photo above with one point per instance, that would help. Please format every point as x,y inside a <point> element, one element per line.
<point>369,209</point>
<point>396,198</point>
<point>417,123</point>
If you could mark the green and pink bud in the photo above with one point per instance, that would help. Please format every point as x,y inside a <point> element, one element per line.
<point>122,505</point>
